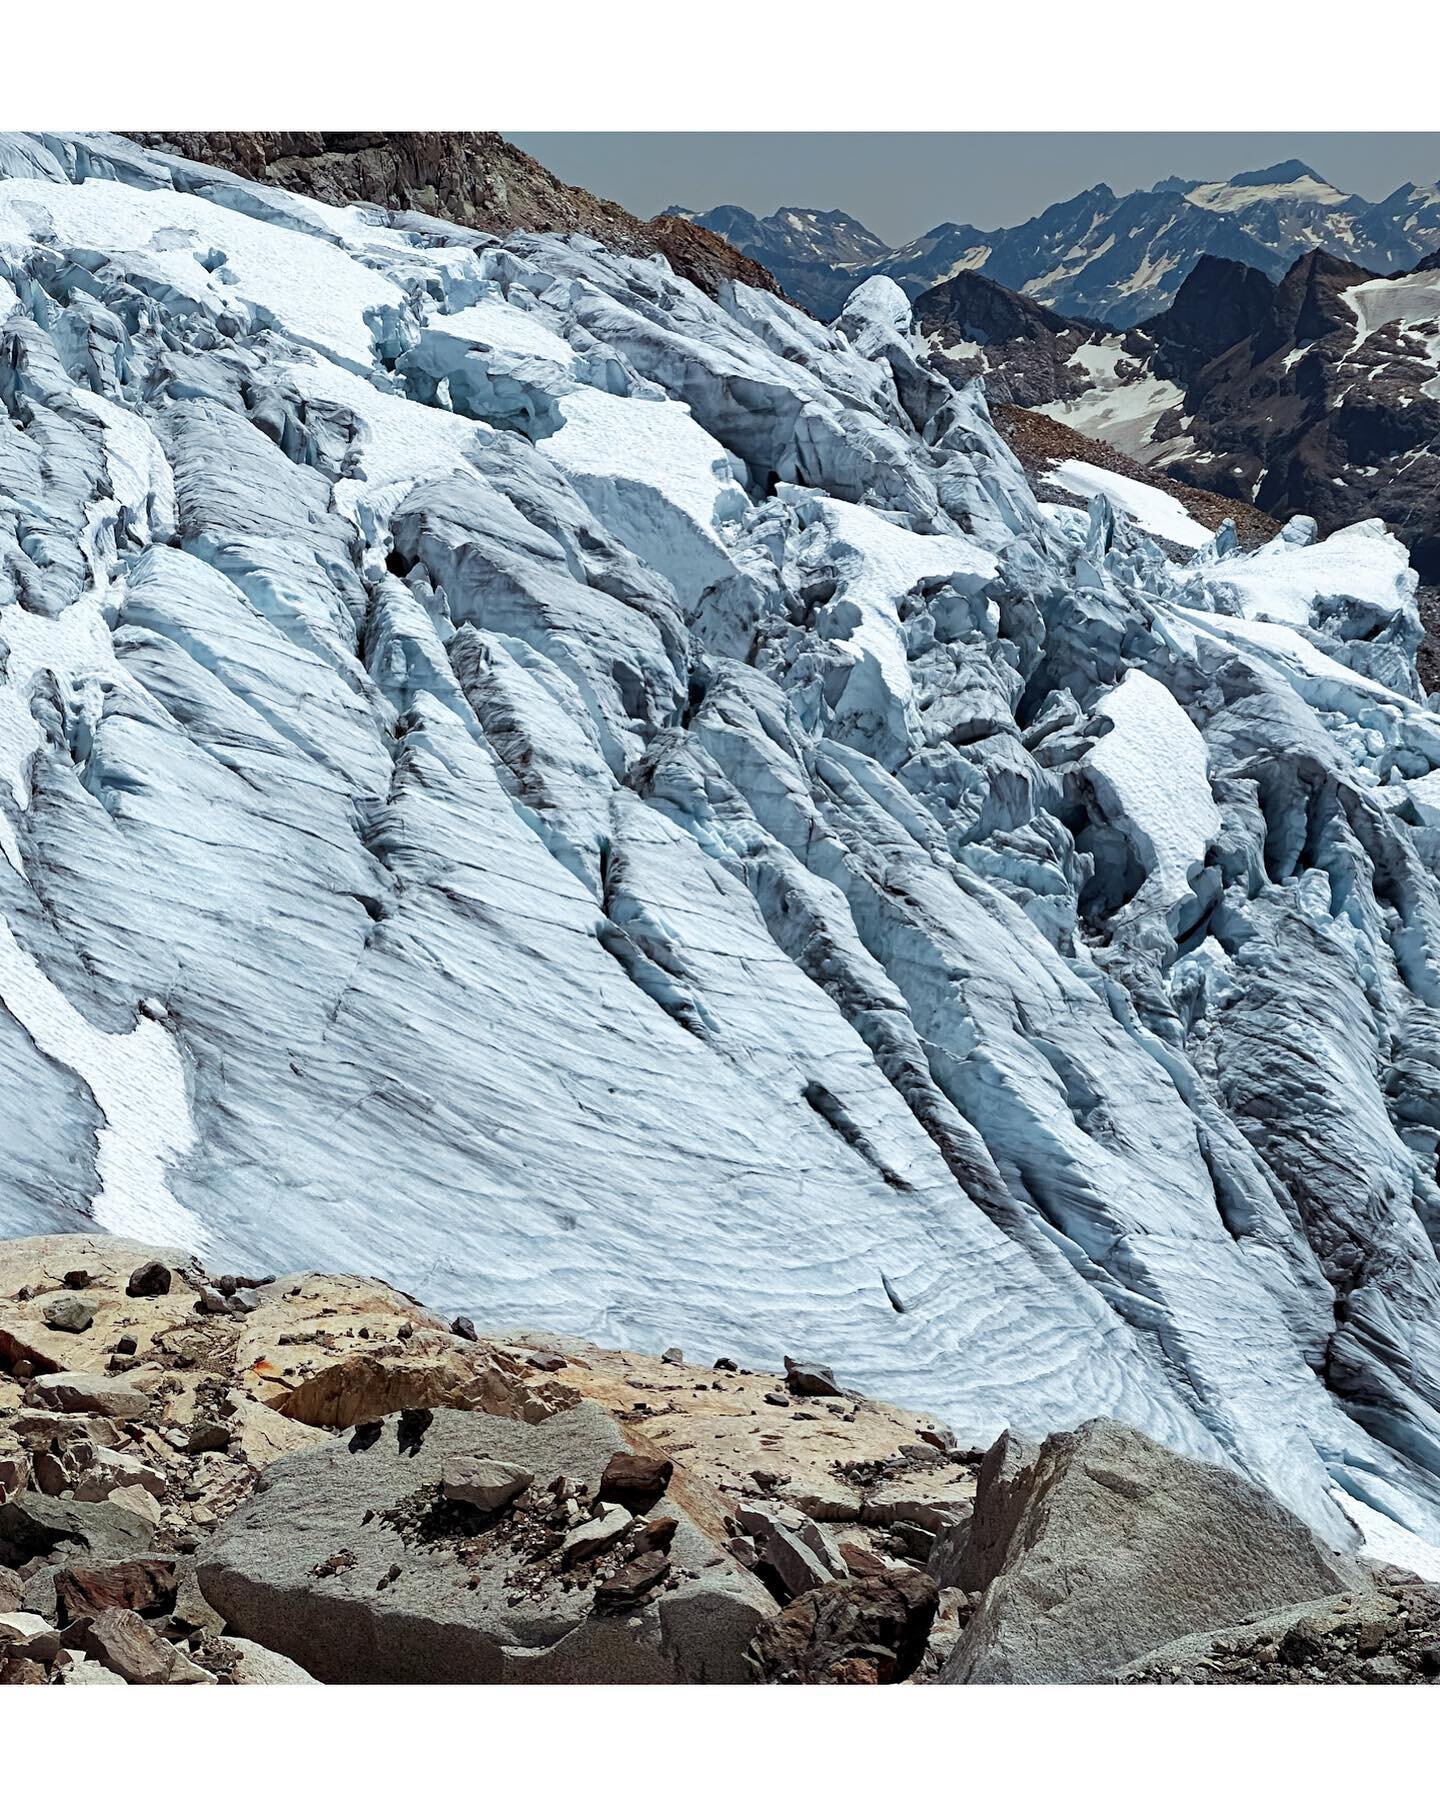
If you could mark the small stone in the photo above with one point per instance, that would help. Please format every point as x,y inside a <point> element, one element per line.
<point>78,1280</point>
<point>70,1315</point>
<point>28,1634</point>
<point>212,1302</point>
<point>598,1535</point>
<point>243,1303</point>
<point>860,1561</point>
<point>725,1365</point>
<point>653,1535</point>
<point>780,1402</point>
<point>127,1344</point>
<point>465,1328</point>
<point>546,1362</point>
<point>672,1356</point>
<point>145,1585</point>
<point>21,1671</point>
<point>124,1644</point>
<point>633,1583</point>
<point>486,1484</point>
<point>150,1280</point>
<point>405,1330</point>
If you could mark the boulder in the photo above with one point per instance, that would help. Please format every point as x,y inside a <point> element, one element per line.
<point>1116,1545</point>
<point>793,1546</point>
<point>146,1585</point>
<point>1002,1488</point>
<point>150,1280</point>
<point>603,1531</point>
<point>350,1560</point>
<point>89,1393</point>
<point>854,1630</point>
<point>126,1645</point>
<point>30,1636</point>
<point>70,1315</point>
<point>138,1502</point>
<point>807,1378</point>
<point>36,1527</point>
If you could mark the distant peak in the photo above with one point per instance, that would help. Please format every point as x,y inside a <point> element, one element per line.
<point>1280,174</point>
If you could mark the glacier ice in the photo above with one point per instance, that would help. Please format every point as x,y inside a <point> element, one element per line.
<point>618,810</point>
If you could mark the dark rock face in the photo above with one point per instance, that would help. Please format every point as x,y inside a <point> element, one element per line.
<point>472,178</point>
<point>1024,348</point>
<point>1219,303</point>
<point>1301,412</point>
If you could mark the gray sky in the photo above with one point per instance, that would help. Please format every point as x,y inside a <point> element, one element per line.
<point>902,183</point>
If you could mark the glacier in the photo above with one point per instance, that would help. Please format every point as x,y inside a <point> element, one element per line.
<point>617,810</point>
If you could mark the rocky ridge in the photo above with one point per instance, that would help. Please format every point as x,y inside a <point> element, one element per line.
<point>223,1480</point>
<point>475,178</point>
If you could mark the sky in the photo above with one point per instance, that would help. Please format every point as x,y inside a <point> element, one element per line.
<point>902,183</point>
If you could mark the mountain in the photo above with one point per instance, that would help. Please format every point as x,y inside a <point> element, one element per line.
<point>620,812</point>
<point>813,255</point>
<point>1119,258</point>
<point>1317,394</point>
<point>474,178</point>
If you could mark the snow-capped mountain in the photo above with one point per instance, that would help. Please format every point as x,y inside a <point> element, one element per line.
<point>617,809</point>
<point>814,255</point>
<point>1120,258</point>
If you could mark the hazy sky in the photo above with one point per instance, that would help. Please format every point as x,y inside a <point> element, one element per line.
<point>902,183</point>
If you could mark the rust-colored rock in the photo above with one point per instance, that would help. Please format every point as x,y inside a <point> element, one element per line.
<point>882,1621</point>
<point>147,1586</point>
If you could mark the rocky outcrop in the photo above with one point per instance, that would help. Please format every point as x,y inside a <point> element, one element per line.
<point>1115,1545</point>
<point>1025,351</point>
<point>475,178</point>
<point>356,1563</point>
<point>559,1512</point>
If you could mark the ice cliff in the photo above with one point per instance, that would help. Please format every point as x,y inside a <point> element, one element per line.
<point>619,811</point>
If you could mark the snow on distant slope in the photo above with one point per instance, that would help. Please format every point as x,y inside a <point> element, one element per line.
<point>619,811</point>
<point>1121,412</point>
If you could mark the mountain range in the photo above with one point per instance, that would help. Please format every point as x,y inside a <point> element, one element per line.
<point>1116,258</point>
